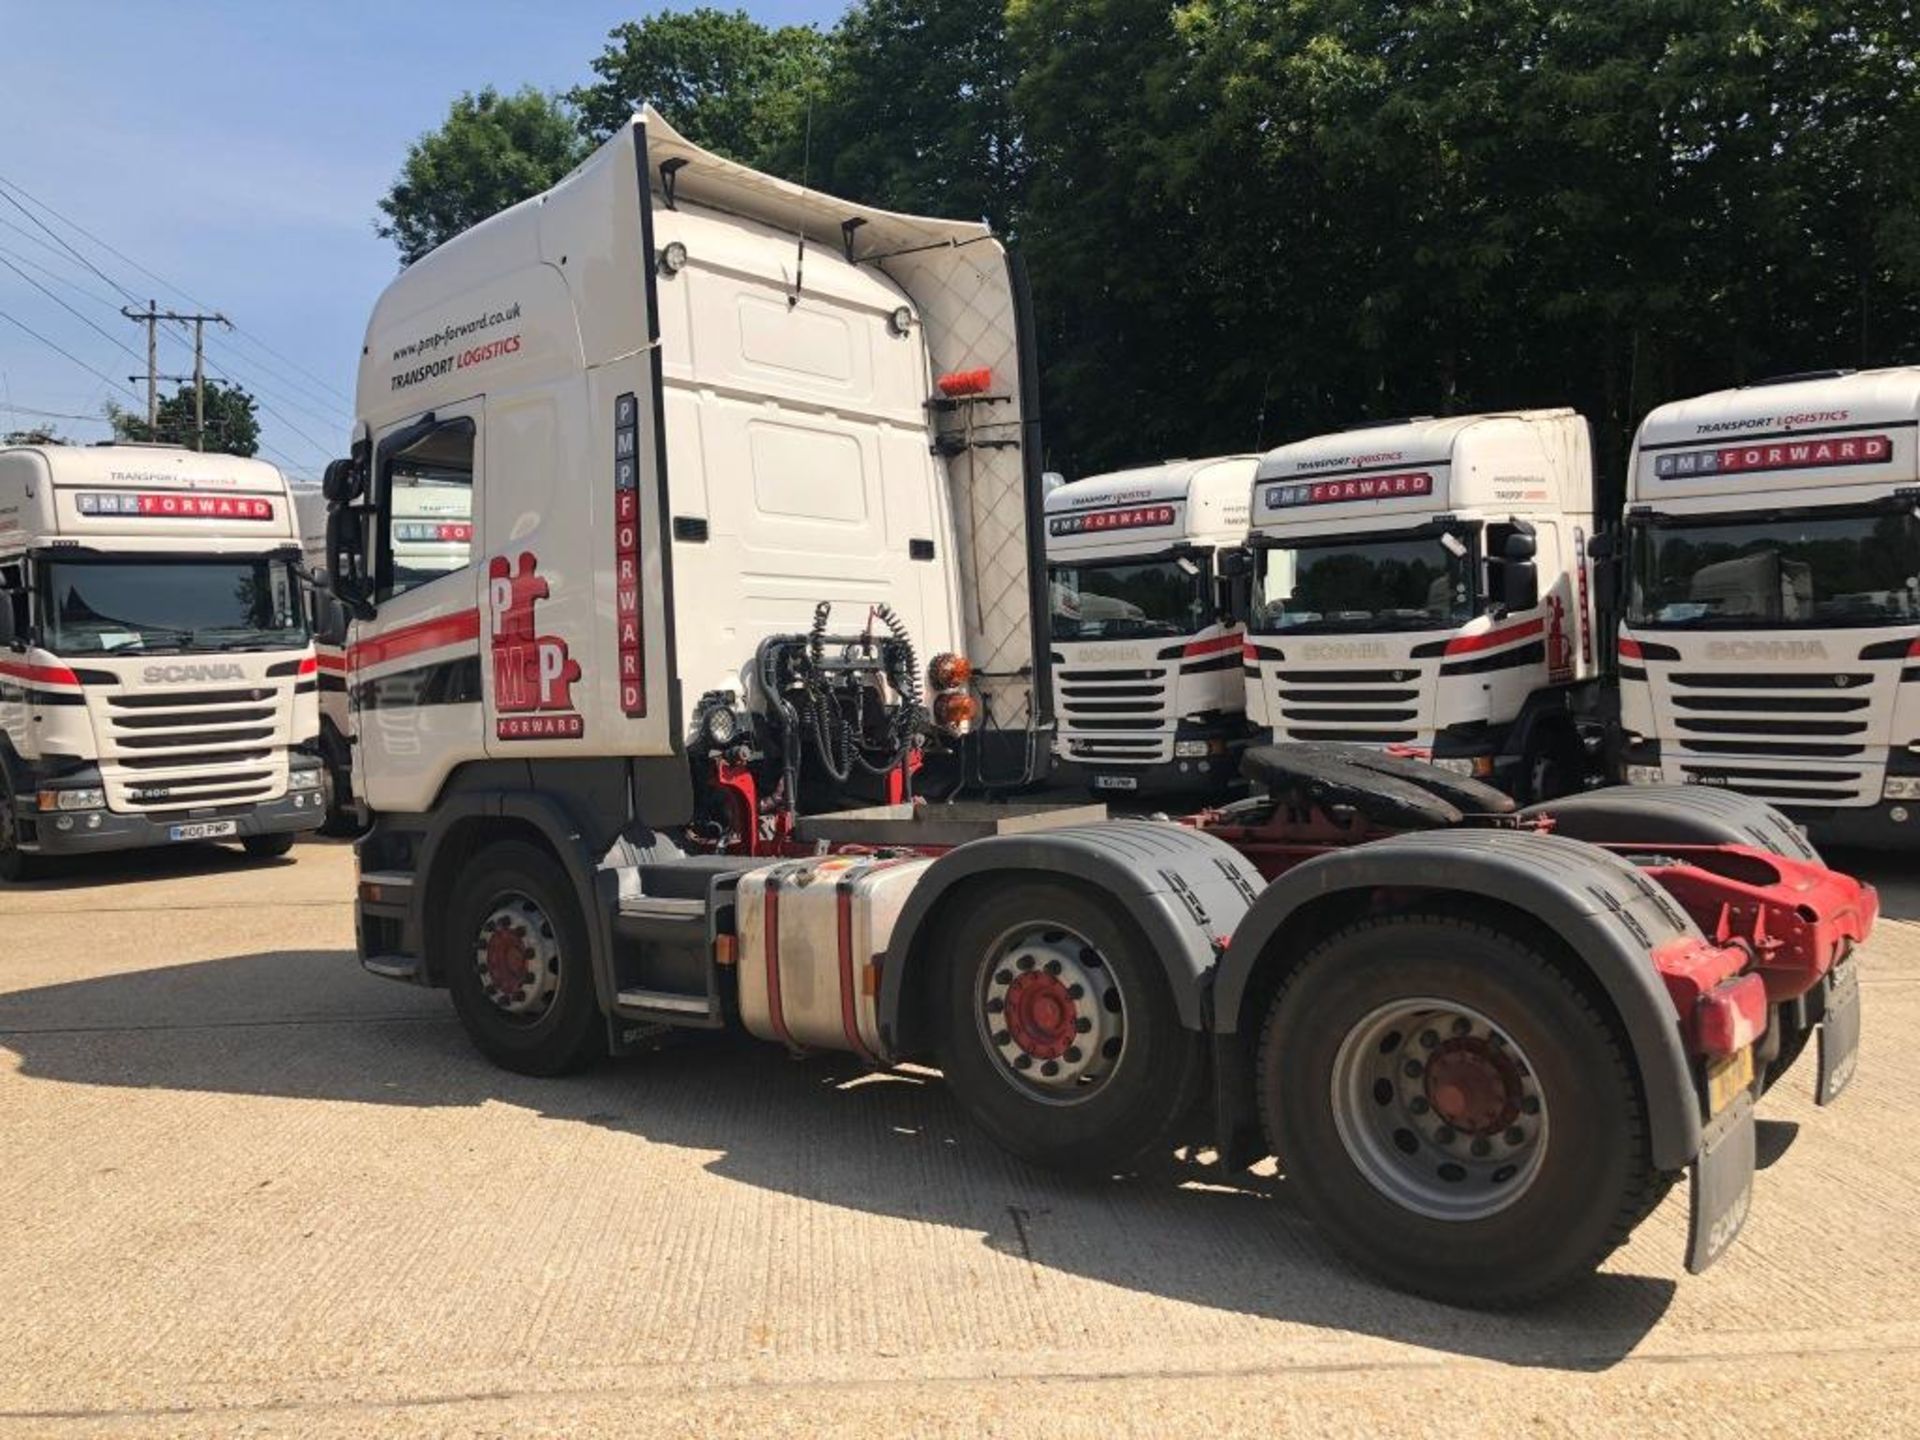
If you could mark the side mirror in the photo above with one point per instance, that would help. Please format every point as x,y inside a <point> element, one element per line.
<point>346,562</point>
<point>1602,547</point>
<point>1233,562</point>
<point>342,482</point>
<point>330,620</point>
<point>1519,546</point>
<point>8,637</point>
<point>1520,579</point>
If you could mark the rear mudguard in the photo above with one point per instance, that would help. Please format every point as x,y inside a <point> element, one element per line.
<point>1185,890</point>
<point>1609,914</point>
<point>1674,815</point>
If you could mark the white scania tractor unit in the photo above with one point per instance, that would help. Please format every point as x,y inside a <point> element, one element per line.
<point>757,567</point>
<point>1771,637</point>
<point>1425,585</point>
<point>156,675</point>
<point>1146,652</point>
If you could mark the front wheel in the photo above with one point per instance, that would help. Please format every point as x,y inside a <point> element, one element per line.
<point>1555,765</point>
<point>1058,1031</point>
<point>268,847</point>
<point>515,956</point>
<point>1455,1113</point>
<point>16,865</point>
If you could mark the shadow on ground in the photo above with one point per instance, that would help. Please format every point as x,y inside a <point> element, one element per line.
<point>309,1025</point>
<point>158,862</point>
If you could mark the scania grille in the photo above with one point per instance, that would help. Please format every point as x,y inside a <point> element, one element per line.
<point>187,749</point>
<point>1756,715</point>
<point>1377,706</point>
<point>1795,786</point>
<point>1117,715</point>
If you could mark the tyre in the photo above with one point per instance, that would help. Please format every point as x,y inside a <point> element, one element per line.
<point>1455,1113</point>
<point>16,865</point>
<point>268,847</point>
<point>515,955</point>
<point>1057,1029</point>
<point>1555,765</point>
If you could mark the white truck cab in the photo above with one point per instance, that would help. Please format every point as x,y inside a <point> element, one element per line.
<point>157,681</point>
<point>1770,641</point>
<point>1425,585</point>
<point>1146,652</point>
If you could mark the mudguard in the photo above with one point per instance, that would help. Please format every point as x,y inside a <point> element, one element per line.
<point>1676,815</point>
<point>1601,906</point>
<point>1187,892</point>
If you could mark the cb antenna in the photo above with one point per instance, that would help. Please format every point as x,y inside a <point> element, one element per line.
<point>806,168</point>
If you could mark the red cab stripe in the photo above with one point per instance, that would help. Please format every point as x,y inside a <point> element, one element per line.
<point>39,674</point>
<point>411,639</point>
<point>1214,646</point>
<point>1630,649</point>
<point>1466,644</point>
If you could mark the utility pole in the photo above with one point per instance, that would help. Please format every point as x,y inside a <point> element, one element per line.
<point>152,316</point>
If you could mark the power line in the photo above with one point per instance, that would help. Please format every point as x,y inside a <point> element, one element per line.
<point>64,305</point>
<point>68,353</point>
<point>57,237</point>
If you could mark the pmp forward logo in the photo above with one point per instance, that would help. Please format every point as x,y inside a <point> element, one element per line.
<point>533,675</point>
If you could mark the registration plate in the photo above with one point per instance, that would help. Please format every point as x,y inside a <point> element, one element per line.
<point>1729,1078</point>
<point>203,830</point>
<point>1116,782</point>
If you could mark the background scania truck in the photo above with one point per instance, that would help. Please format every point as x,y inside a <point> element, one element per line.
<point>1425,584</point>
<point>1145,648</point>
<point>757,553</point>
<point>156,679</point>
<point>1771,639</point>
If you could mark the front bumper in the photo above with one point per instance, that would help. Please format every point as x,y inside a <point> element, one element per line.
<point>1190,779</point>
<point>91,831</point>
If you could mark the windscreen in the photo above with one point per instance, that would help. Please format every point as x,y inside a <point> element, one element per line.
<point>150,605</point>
<point>1817,568</point>
<point>1380,583</point>
<point>1129,600</point>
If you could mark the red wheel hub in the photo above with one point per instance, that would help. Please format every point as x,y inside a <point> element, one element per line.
<point>509,962</point>
<point>1041,1015</point>
<point>1473,1086</point>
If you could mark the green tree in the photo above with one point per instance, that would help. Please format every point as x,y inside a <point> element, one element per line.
<point>916,112</point>
<point>34,435</point>
<point>722,78</point>
<point>493,151</point>
<point>232,427</point>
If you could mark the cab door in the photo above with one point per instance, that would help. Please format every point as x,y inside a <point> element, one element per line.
<point>414,682</point>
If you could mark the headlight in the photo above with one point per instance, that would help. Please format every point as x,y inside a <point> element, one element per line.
<point>720,725</point>
<point>1645,775</point>
<point>92,798</point>
<point>303,780</point>
<point>1901,787</point>
<point>1189,749</point>
<point>1454,764</point>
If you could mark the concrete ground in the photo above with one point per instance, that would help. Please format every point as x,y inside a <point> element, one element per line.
<point>249,1190</point>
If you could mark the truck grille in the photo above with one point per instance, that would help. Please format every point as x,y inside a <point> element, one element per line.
<point>184,749</point>
<point>1761,723</point>
<point>1376,706</point>
<point>1103,712</point>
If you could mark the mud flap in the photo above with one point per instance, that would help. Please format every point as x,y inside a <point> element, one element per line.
<point>1722,1184</point>
<point>1839,1032</point>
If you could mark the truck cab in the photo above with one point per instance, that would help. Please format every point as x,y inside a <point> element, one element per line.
<point>1424,585</point>
<point>1144,645</point>
<point>157,678</point>
<point>1772,600</point>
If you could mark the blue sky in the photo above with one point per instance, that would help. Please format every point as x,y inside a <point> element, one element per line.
<point>238,150</point>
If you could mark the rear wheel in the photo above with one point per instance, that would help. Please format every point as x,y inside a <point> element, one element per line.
<point>1457,1116</point>
<point>1058,1031</point>
<point>268,847</point>
<point>515,956</point>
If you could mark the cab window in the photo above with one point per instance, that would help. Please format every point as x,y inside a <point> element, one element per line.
<point>426,510</point>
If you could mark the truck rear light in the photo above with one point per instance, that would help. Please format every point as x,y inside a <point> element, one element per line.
<point>957,383</point>
<point>949,672</point>
<point>1731,1016</point>
<point>954,710</point>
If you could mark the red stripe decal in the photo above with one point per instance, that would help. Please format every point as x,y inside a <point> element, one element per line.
<point>849,1020</point>
<point>776,1013</point>
<point>308,665</point>
<point>411,639</point>
<point>330,660</point>
<point>1630,649</point>
<point>39,674</point>
<point>1466,644</point>
<point>1214,646</point>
